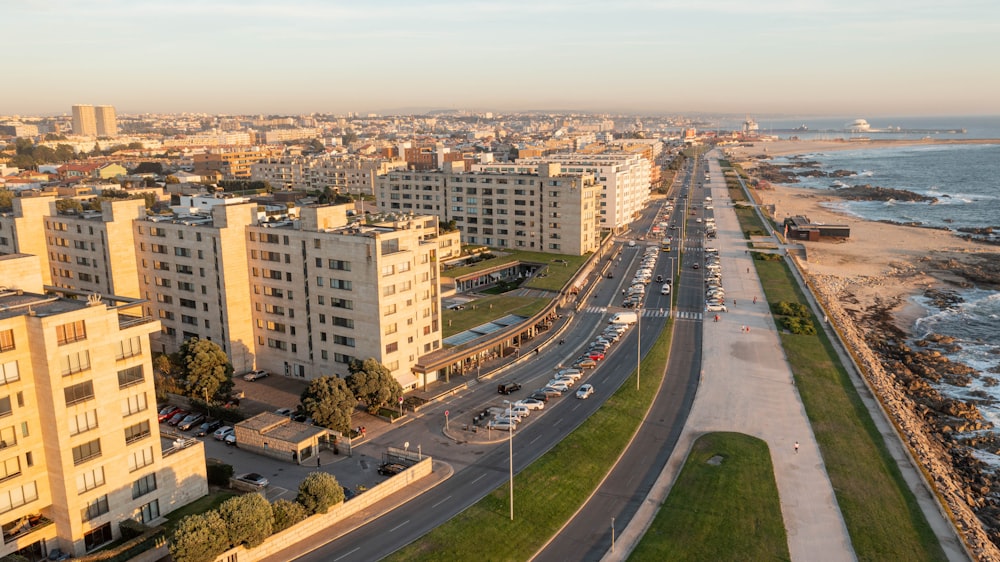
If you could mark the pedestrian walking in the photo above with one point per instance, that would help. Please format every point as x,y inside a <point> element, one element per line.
<point>796,447</point>
<point>748,270</point>
<point>318,465</point>
<point>364,431</point>
<point>755,300</point>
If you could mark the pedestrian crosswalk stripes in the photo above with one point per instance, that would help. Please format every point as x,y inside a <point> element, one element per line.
<point>646,312</point>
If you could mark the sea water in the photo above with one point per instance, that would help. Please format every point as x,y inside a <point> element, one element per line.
<point>965,179</point>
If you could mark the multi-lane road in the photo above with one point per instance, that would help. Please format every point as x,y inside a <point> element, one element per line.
<point>479,469</point>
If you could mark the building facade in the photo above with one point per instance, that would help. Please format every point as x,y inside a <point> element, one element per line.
<point>82,449</point>
<point>106,120</point>
<point>539,209</point>
<point>84,120</point>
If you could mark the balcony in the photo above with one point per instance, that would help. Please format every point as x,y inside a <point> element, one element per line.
<point>130,320</point>
<point>27,524</point>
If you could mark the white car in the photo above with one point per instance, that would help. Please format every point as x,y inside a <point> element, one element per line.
<point>530,403</point>
<point>716,308</point>
<point>584,392</point>
<point>502,425</point>
<point>520,411</point>
<point>631,243</point>
<point>222,432</point>
<point>254,375</point>
<point>666,289</point>
<point>558,384</point>
<point>574,374</point>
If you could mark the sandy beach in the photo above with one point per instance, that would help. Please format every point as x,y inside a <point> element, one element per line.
<point>880,262</point>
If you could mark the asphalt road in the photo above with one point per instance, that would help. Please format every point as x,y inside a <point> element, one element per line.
<point>589,535</point>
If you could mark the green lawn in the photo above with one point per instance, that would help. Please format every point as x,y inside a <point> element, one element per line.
<point>455,321</point>
<point>212,501</point>
<point>881,513</point>
<point>561,267</point>
<point>547,493</point>
<point>722,510</point>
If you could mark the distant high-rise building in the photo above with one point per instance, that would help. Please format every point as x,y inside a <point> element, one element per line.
<point>107,122</point>
<point>84,120</point>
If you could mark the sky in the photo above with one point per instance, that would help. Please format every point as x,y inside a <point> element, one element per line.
<point>763,57</point>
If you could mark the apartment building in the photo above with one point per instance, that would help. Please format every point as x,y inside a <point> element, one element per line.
<point>106,120</point>
<point>538,209</point>
<point>345,175</point>
<point>326,291</point>
<point>84,120</point>
<point>192,271</point>
<point>80,446</point>
<point>232,162</point>
<point>625,179</point>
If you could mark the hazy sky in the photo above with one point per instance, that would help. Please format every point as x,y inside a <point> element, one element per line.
<point>834,57</point>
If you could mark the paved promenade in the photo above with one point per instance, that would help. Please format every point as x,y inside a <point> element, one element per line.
<point>747,387</point>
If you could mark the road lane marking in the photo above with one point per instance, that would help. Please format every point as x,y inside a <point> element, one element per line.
<point>440,502</point>
<point>535,439</point>
<point>345,555</point>
<point>578,404</point>
<point>398,526</point>
<point>481,476</point>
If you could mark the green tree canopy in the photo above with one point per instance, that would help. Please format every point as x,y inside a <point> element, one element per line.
<point>207,370</point>
<point>199,538</point>
<point>248,518</point>
<point>372,383</point>
<point>319,491</point>
<point>63,205</point>
<point>287,513</point>
<point>329,402</point>
<point>6,198</point>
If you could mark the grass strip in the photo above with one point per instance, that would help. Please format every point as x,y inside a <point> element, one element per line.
<point>550,490</point>
<point>489,308</point>
<point>724,506</point>
<point>882,515</point>
<point>201,505</point>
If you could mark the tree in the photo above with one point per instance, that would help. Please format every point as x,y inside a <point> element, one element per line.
<point>248,518</point>
<point>69,205</point>
<point>199,538</point>
<point>329,402</point>
<point>207,371</point>
<point>319,491</point>
<point>372,383</point>
<point>171,179</point>
<point>349,136</point>
<point>6,198</point>
<point>287,513</point>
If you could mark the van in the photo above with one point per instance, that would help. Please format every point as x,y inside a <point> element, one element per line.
<point>508,387</point>
<point>624,318</point>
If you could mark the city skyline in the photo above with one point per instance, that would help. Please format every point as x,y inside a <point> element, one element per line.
<point>921,58</point>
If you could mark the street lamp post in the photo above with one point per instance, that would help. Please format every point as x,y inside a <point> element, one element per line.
<point>638,345</point>
<point>510,446</point>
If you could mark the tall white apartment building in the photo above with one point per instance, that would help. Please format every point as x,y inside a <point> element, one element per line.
<point>541,209</point>
<point>80,446</point>
<point>84,120</point>
<point>107,121</point>
<point>625,179</point>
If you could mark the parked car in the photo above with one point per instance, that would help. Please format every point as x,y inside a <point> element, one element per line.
<point>530,403</point>
<point>190,421</point>
<point>221,433</point>
<point>284,412</point>
<point>207,427</point>
<point>254,375</point>
<point>586,363</point>
<point>550,392</point>
<point>230,440</point>
<point>575,374</point>
<point>584,392</point>
<point>253,478</point>
<point>539,396</point>
<point>597,355</point>
<point>178,417</point>
<point>167,412</point>
<point>561,386</point>
<point>716,308</point>
<point>504,425</point>
<point>520,410</point>
<point>391,468</point>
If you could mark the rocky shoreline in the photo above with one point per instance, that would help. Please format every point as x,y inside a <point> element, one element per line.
<point>940,431</point>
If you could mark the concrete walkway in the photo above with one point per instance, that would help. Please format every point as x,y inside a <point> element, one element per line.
<point>747,387</point>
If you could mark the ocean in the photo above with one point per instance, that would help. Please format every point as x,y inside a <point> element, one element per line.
<point>965,179</point>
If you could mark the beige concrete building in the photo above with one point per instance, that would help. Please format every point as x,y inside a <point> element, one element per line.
<point>107,121</point>
<point>80,447</point>
<point>540,209</point>
<point>193,274</point>
<point>84,120</point>
<point>232,162</point>
<point>345,175</point>
<point>327,291</point>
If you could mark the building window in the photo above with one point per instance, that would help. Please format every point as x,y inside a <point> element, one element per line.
<point>87,451</point>
<point>340,265</point>
<point>342,284</point>
<point>137,432</point>
<point>389,310</point>
<point>9,372</point>
<point>82,422</point>
<point>130,376</point>
<point>71,332</point>
<point>144,485</point>
<point>95,508</point>
<point>79,392</point>
<point>150,511</point>
<point>392,347</point>
<point>343,340</point>
<point>134,404</point>
<point>89,480</point>
<point>10,468</point>
<point>98,537</point>
<point>129,348</point>
<point>6,340</point>
<point>18,496</point>
<point>342,303</point>
<point>140,458</point>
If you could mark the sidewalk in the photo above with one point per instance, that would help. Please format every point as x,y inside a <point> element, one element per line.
<point>747,387</point>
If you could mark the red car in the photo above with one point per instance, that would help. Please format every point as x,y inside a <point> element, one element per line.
<point>596,355</point>
<point>167,413</point>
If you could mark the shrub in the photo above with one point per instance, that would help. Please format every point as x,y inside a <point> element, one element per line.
<point>219,473</point>
<point>287,513</point>
<point>248,518</point>
<point>785,308</point>
<point>131,528</point>
<point>318,492</point>
<point>199,538</point>
<point>800,326</point>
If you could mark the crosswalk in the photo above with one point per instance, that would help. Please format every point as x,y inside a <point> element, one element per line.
<point>649,312</point>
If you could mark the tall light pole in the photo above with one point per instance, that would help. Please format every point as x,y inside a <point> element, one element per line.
<point>510,446</point>
<point>638,345</point>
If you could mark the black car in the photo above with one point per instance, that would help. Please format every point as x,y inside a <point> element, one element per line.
<point>391,468</point>
<point>541,396</point>
<point>508,387</point>
<point>208,427</point>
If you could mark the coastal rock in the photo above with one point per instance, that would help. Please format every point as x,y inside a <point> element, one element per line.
<point>868,192</point>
